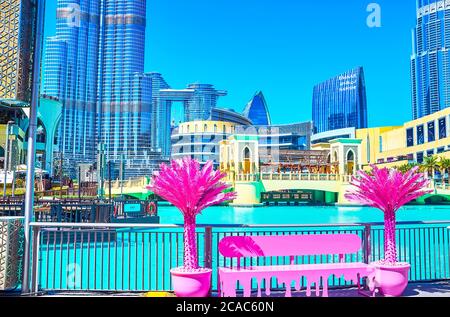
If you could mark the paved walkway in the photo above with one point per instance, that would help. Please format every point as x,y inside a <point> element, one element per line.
<point>437,289</point>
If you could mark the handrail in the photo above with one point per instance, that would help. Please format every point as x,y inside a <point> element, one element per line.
<point>167,226</point>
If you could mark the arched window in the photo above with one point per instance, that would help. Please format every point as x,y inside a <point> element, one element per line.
<point>329,158</point>
<point>205,128</point>
<point>215,128</point>
<point>336,159</point>
<point>246,153</point>
<point>350,156</point>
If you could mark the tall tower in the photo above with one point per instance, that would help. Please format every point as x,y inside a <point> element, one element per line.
<point>430,72</point>
<point>122,116</point>
<point>17,22</point>
<point>71,64</point>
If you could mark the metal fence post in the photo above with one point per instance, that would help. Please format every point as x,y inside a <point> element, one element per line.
<point>208,248</point>
<point>367,243</point>
<point>35,260</point>
<point>207,251</point>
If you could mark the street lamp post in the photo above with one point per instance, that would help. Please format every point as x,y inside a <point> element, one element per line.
<point>31,156</point>
<point>122,172</point>
<point>110,179</point>
<point>6,161</point>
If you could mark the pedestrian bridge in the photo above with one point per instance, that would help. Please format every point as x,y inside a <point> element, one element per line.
<point>133,188</point>
<point>329,188</point>
<point>250,186</point>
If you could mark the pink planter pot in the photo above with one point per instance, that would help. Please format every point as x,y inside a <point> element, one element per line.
<point>391,280</point>
<point>191,284</point>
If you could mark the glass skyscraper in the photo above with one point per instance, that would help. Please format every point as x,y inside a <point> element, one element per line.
<point>123,118</point>
<point>71,64</point>
<point>340,102</point>
<point>257,111</point>
<point>198,102</point>
<point>17,23</point>
<point>430,60</point>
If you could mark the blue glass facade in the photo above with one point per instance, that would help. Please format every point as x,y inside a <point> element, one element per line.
<point>198,101</point>
<point>430,72</point>
<point>257,111</point>
<point>71,76</point>
<point>340,102</point>
<point>123,118</point>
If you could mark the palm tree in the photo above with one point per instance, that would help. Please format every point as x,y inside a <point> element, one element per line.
<point>430,164</point>
<point>406,167</point>
<point>444,166</point>
<point>191,189</point>
<point>388,190</point>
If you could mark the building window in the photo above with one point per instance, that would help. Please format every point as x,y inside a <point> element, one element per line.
<point>409,137</point>
<point>430,152</point>
<point>431,132</point>
<point>381,144</point>
<point>410,157</point>
<point>441,150</point>
<point>205,128</point>
<point>442,128</point>
<point>368,149</point>
<point>420,135</point>
<point>420,157</point>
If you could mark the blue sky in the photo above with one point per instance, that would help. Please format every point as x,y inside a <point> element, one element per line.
<point>282,47</point>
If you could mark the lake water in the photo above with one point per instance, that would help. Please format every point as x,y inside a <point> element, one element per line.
<point>296,215</point>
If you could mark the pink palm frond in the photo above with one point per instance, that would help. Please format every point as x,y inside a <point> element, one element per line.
<point>189,187</point>
<point>387,189</point>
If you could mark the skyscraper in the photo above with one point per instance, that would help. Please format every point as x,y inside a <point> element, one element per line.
<point>17,23</point>
<point>340,102</point>
<point>122,116</point>
<point>430,60</point>
<point>71,65</point>
<point>257,111</point>
<point>198,102</point>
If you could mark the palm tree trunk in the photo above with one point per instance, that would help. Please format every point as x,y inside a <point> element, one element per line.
<point>390,246</point>
<point>190,244</point>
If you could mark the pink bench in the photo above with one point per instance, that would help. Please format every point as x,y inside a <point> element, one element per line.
<point>238,247</point>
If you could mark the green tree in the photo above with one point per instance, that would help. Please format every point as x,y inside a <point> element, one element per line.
<point>429,165</point>
<point>406,167</point>
<point>444,166</point>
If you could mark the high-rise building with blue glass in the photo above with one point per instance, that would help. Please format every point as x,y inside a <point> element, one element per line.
<point>430,60</point>
<point>257,111</point>
<point>340,102</point>
<point>125,102</point>
<point>71,64</point>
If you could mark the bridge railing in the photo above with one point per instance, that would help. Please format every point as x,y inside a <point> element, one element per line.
<point>306,177</point>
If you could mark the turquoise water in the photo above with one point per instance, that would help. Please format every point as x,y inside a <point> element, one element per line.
<point>127,260</point>
<point>304,215</point>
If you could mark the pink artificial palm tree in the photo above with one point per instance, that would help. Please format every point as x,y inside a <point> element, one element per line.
<point>191,189</point>
<point>388,190</point>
